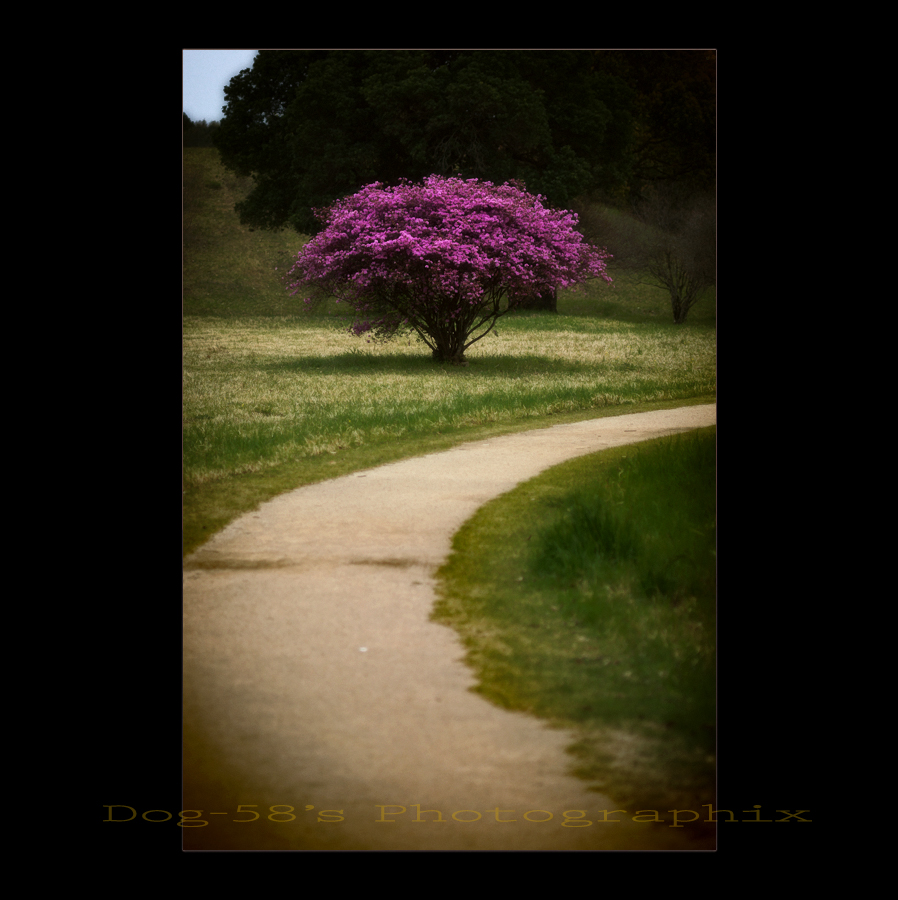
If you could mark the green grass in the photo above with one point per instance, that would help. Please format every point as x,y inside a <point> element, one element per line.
<point>587,596</point>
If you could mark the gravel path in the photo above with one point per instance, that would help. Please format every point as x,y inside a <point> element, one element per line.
<point>313,678</point>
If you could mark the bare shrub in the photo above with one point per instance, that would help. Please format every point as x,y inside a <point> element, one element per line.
<point>668,240</point>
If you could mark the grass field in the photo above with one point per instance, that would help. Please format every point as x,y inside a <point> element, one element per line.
<point>274,399</point>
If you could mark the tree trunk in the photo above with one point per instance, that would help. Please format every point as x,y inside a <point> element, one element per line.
<point>449,349</point>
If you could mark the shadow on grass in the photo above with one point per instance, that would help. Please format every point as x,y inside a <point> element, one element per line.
<point>414,363</point>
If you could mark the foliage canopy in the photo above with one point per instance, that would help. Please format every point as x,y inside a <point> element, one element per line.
<point>311,126</point>
<point>443,259</point>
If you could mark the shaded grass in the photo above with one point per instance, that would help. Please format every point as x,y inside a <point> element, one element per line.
<point>599,613</point>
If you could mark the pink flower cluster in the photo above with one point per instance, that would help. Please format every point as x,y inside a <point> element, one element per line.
<point>444,250</point>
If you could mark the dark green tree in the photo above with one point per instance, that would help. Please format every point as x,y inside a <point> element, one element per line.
<point>311,126</point>
<point>675,117</point>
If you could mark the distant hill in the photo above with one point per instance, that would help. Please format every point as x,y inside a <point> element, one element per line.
<point>229,270</point>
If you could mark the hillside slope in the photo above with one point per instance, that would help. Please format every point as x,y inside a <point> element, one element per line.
<point>228,269</point>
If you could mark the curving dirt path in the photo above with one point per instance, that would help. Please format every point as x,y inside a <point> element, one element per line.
<point>314,680</point>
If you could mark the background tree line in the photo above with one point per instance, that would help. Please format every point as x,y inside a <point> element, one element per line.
<point>631,130</point>
<point>199,134</point>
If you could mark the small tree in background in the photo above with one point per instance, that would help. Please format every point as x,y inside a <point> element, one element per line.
<point>443,259</point>
<point>681,252</point>
<point>668,242</point>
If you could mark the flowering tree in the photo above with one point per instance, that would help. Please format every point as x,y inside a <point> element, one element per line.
<point>443,259</point>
